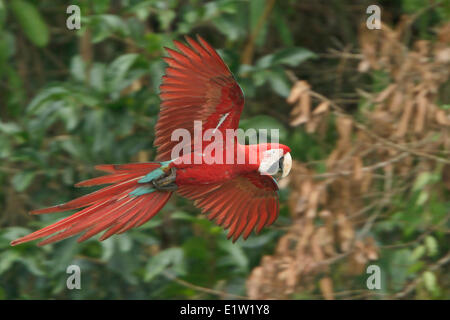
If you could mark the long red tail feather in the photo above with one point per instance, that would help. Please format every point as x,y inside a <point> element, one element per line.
<point>111,208</point>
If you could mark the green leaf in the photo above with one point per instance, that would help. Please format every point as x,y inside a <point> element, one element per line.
<point>12,233</point>
<point>67,176</point>
<point>7,49</point>
<point>97,76</point>
<point>31,21</point>
<point>284,31</point>
<point>156,72</point>
<point>9,128</point>
<point>399,264</point>
<point>418,252</point>
<point>432,246</point>
<point>429,280</point>
<point>256,11</point>
<point>423,197</point>
<point>290,56</point>
<point>69,116</point>
<point>64,252</point>
<point>100,6</point>
<point>22,180</point>
<point>422,180</point>
<point>280,83</point>
<point>32,266</point>
<point>180,215</point>
<point>171,257</point>
<point>236,255</point>
<point>77,68</point>
<point>165,18</point>
<point>141,9</point>
<point>228,27</point>
<point>7,258</point>
<point>293,56</point>
<point>52,93</point>
<point>124,243</point>
<point>416,267</point>
<point>259,241</point>
<point>117,70</point>
<point>74,148</point>
<point>2,13</point>
<point>104,25</point>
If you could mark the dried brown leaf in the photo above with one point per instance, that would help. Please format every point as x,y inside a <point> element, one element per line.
<point>357,168</point>
<point>406,116</point>
<point>422,104</point>
<point>442,118</point>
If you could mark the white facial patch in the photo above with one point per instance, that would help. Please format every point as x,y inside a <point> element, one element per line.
<point>270,161</point>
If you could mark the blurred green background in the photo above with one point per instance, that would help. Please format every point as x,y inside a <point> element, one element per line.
<point>71,99</point>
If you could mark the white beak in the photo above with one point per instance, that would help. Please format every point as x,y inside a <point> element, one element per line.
<point>287,164</point>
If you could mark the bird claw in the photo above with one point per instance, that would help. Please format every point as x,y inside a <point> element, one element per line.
<point>166,182</point>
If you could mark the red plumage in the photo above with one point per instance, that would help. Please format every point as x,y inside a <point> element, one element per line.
<point>197,86</point>
<point>109,208</point>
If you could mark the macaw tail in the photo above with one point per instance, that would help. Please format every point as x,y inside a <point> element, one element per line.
<point>129,202</point>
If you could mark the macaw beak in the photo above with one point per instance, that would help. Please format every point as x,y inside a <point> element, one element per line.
<point>287,164</point>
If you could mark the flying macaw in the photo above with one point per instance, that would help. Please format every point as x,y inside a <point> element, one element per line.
<point>197,86</point>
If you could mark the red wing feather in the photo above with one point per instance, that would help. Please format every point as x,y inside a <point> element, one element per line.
<point>197,86</point>
<point>243,204</point>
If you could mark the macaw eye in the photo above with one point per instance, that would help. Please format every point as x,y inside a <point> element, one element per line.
<point>270,163</point>
<point>276,167</point>
<point>280,163</point>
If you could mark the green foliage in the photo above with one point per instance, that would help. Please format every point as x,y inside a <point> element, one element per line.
<point>53,133</point>
<point>72,99</point>
<point>31,21</point>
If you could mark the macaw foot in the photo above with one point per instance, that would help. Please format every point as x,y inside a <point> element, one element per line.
<point>166,182</point>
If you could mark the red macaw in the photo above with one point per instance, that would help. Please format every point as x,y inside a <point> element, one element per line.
<point>197,86</point>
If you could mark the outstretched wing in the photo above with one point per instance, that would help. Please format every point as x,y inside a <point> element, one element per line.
<point>197,86</point>
<point>242,204</point>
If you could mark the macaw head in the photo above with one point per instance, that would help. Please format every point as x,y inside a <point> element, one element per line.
<point>276,160</point>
